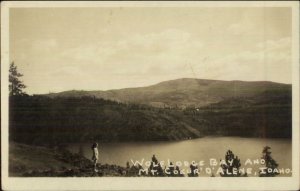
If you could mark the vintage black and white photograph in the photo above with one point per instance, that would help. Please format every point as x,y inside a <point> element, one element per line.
<point>160,92</point>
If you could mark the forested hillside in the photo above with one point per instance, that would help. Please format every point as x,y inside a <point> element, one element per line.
<point>43,120</point>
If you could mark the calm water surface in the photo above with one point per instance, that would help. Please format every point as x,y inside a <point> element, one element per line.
<point>202,149</point>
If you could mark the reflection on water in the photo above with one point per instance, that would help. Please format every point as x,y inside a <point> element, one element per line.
<point>202,149</point>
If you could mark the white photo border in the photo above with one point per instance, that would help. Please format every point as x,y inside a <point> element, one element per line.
<point>142,183</point>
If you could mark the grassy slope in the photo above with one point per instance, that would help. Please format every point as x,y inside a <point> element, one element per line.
<point>24,158</point>
<point>37,161</point>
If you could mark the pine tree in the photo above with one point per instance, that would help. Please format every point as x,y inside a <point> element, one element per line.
<point>16,86</point>
<point>231,166</point>
<point>155,168</point>
<point>271,165</point>
<point>194,171</point>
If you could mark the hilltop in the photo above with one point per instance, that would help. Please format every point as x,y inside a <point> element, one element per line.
<point>183,92</point>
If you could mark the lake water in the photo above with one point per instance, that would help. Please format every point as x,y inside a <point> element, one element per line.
<point>203,149</point>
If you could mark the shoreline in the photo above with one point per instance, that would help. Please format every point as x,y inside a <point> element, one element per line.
<point>173,141</point>
<point>39,161</point>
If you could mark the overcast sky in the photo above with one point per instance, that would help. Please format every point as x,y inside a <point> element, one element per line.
<point>61,49</point>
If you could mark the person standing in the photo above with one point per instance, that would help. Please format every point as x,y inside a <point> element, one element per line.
<point>95,155</point>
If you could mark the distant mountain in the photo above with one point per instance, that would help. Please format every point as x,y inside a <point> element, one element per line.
<point>192,108</point>
<point>184,92</point>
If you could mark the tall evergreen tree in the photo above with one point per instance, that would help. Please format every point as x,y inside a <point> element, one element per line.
<point>16,86</point>
<point>271,165</point>
<point>232,166</point>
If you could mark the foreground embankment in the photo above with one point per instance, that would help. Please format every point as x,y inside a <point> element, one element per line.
<point>34,161</point>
